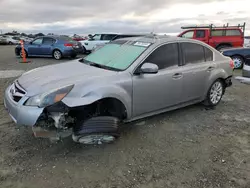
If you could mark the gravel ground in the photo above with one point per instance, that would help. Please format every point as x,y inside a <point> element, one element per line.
<point>187,148</point>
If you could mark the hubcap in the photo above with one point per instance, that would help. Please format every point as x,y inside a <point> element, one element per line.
<point>216,92</point>
<point>96,139</point>
<point>237,62</point>
<point>57,54</point>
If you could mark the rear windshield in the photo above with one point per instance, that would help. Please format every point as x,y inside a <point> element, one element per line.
<point>117,56</point>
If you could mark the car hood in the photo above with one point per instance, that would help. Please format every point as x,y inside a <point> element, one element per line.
<point>50,77</point>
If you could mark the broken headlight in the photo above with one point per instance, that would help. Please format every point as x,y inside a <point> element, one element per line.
<point>49,98</point>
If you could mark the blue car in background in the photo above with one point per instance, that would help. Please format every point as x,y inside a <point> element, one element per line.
<point>51,46</point>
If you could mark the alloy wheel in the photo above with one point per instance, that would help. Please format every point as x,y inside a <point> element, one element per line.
<point>57,54</point>
<point>216,92</point>
<point>237,62</point>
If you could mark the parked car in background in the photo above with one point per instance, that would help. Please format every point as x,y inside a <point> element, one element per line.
<point>247,41</point>
<point>11,39</point>
<point>126,80</point>
<point>3,41</point>
<point>217,37</point>
<point>240,56</point>
<point>51,46</point>
<point>98,40</point>
<point>78,37</point>
<point>26,39</point>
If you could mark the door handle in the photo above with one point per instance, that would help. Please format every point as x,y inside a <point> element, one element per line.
<point>177,76</point>
<point>210,69</point>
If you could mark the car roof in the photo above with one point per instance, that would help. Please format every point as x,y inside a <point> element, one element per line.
<point>154,38</point>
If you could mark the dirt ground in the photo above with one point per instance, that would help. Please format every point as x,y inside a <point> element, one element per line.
<point>187,148</point>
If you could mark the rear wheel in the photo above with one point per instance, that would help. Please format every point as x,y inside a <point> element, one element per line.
<point>10,43</point>
<point>57,54</point>
<point>238,62</point>
<point>214,94</point>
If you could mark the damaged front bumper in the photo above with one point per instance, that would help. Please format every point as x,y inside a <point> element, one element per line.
<point>51,122</point>
<point>20,114</point>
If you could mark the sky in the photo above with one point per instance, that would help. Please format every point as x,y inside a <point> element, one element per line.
<point>123,16</point>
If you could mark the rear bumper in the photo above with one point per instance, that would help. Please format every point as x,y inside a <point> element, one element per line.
<point>20,114</point>
<point>70,52</point>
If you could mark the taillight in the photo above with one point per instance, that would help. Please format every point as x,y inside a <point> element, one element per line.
<point>68,44</point>
<point>232,64</point>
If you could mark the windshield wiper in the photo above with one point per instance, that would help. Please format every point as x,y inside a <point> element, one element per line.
<point>82,60</point>
<point>103,66</point>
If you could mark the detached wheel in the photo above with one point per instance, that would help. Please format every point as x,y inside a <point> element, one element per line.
<point>57,54</point>
<point>97,130</point>
<point>214,94</point>
<point>238,62</point>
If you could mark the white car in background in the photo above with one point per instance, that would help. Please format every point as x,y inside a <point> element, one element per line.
<point>247,42</point>
<point>99,40</point>
<point>11,39</point>
<point>90,43</point>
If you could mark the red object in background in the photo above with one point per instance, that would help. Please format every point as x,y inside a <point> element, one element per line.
<point>218,37</point>
<point>68,44</point>
<point>79,38</point>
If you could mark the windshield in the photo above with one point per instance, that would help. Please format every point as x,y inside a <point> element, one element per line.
<point>116,56</point>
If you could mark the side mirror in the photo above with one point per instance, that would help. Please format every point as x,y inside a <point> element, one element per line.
<point>149,68</point>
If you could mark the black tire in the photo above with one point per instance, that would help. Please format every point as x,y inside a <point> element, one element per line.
<point>221,47</point>
<point>208,101</point>
<point>97,128</point>
<point>10,43</point>
<point>83,50</point>
<point>21,55</point>
<point>57,54</point>
<point>240,62</point>
<point>73,56</point>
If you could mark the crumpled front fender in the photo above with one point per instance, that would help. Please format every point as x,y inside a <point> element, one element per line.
<point>101,93</point>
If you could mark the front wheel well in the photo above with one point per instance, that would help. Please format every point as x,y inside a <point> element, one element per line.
<point>103,107</point>
<point>55,50</point>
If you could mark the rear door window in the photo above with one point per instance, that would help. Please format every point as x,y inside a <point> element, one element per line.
<point>193,53</point>
<point>209,55</point>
